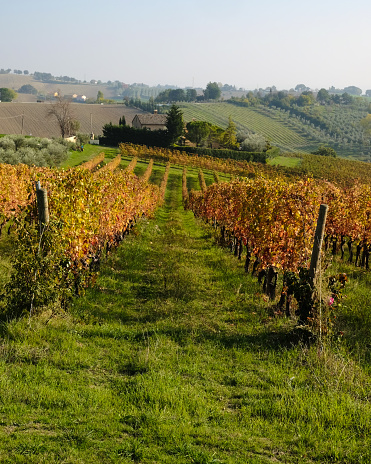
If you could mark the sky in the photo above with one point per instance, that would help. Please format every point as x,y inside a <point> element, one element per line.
<point>247,43</point>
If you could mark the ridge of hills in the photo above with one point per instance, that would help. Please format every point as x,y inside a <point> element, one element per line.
<point>15,81</point>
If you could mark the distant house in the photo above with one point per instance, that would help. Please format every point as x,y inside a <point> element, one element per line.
<point>153,121</point>
<point>81,98</point>
<point>72,139</point>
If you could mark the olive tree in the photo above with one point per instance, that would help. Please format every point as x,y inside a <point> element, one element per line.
<point>255,143</point>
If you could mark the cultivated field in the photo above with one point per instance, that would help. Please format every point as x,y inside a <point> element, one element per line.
<point>341,126</point>
<point>280,134</point>
<point>15,81</point>
<point>175,356</point>
<point>36,122</point>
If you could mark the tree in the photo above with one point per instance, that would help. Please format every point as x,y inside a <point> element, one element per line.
<point>229,138</point>
<point>122,121</point>
<point>301,88</point>
<point>323,96</point>
<point>100,96</point>
<point>212,91</point>
<point>255,143</point>
<point>197,131</point>
<point>366,125</point>
<point>174,124</point>
<point>324,150</point>
<point>28,88</point>
<point>353,90</point>
<point>347,99</point>
<point>62,111</point>
<point>191,95</point>
<point>305,99</point>
<point>7,95</point>
<point>177,95</point>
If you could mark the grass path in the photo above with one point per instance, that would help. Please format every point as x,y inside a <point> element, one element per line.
<point>174,359</point>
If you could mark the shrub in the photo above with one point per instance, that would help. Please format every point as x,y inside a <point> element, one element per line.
<point>255,142</point>
<point>324,150</point>
<point>33,150</point>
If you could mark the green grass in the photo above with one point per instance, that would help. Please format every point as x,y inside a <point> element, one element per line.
<point>5,254</point>
<point>90,151</point>
<point>175,357</point>
<point>285,161</point>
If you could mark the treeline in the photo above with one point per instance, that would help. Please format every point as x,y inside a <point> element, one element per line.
<point>211,92</point>
<point>114,135</point>
<point>47,77</point>
<point>145,105</point>
<point>285,100</point>
<point>15,71</point>
<point>177,95</point>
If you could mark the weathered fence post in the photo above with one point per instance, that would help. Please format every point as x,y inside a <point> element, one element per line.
<point>42,205</point>
<point>318,239</point>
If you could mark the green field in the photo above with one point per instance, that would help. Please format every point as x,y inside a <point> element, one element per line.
<point>289,162</point>
<point>175,356</point>
<point>289,133</point>
<point>277,131</point>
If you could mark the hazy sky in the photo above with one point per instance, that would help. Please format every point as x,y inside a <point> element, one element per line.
<point>247,43</point>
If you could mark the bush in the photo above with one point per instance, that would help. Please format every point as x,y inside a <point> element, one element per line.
<point>7,143</point>
<point>82,139</point>
<point>35,151</point>
<point>255,143</point>
<point>324,150</point>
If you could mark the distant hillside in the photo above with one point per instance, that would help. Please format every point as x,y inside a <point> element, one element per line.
<point>15,81</point>
<point>292,134</point>
<point>36,122</point>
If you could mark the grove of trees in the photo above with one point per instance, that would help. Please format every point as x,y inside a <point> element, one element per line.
<point>212,92</point>
<point>28,88</point>
<point>34,151</point>
<point>7,95</point>
<point>176,95</point>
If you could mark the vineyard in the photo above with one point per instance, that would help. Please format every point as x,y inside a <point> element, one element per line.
<point>169,348</point>
<point>280,133</point>
<point>271,215</point>
<point>339,128</point>
<point>91,213</point>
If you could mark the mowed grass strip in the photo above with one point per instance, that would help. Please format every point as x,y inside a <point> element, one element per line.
<point>173,358</point>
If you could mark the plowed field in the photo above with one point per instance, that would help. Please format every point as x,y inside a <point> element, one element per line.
<point>37,123</point>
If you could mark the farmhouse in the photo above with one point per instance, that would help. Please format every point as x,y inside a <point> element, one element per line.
<point>153,121</point>
<point>80,98</point>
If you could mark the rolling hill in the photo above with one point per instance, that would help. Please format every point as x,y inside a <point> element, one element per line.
<point>15,82</point>
<point>290,133</point>
<point>37,123</point>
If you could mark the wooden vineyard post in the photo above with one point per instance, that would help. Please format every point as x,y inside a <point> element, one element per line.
<point>42,205</point>
<point>307,293</point>
<point>318,239</point>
